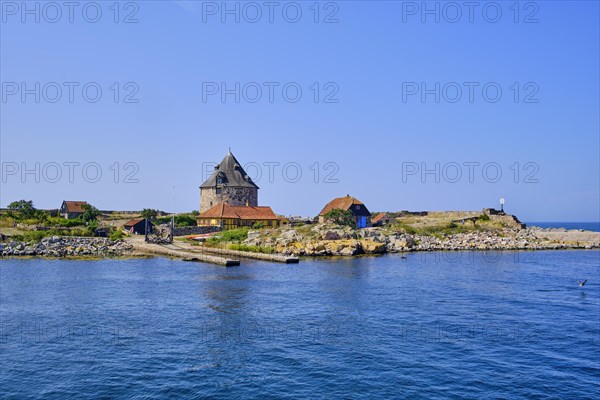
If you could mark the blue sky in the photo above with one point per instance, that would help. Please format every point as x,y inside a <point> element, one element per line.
<point>369,125</point>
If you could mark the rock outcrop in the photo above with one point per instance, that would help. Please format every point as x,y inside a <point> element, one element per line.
<point>341,241</point>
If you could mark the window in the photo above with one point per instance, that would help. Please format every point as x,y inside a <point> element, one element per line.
<point>218,191</point>
<point>219,180</point>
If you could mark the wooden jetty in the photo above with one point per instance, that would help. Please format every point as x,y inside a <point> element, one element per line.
<point>280,258</point>
<point>186,255</point>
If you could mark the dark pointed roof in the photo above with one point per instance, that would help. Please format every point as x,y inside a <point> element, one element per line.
<point>232,174</point>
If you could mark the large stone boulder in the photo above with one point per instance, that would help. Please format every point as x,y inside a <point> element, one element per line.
<point>349,251</point>
<point>399,243</point>
<point>343,247</point>
<point>253,239</point>
<point>253,235</point>
<point>334,232</point>
<point>290,234</point>
<point>288,237</point>
<point>331,235</point>
<point>374,234</point>
<point>373,247</point>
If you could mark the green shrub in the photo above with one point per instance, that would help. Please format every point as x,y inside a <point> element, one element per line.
<point>149,214</point>
<point>341,217</point>
<point>185,220</point>
<point>34,236</point>
<point>60,221</point>
<point>234,235</point>
<point>116,235</point>
<point>75,232</point>
<point>90,229</point>
<point>42,216</point>
<point>180,220</point>
<point>484,217</point>
<point>90,213</point>
<point>163,220</point>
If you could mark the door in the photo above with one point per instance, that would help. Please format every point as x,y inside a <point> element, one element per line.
<point>362,222</point>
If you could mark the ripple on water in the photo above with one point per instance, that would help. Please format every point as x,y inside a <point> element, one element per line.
<point>363,328</point>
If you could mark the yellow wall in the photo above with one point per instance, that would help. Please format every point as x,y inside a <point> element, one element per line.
<point>230,223</point>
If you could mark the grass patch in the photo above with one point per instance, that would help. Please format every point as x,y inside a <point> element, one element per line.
<point>6,222</point>
<point>251,249</point>
<point>404,227</point>
<point>232,235</point>
<point>60,221</point>
<point>440,230</point>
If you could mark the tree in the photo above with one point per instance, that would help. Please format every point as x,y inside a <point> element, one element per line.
<point>184,220</point>
<point>341,217</point>
<point>41,215</point>
<point>90,213</point>
<point>91,228</point>
<point>22,209</point>
<point>149,214</point>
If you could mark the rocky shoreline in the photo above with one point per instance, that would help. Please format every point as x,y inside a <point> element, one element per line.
<point>65,247</point>
<point>326,240</point>
<point>339,241</point>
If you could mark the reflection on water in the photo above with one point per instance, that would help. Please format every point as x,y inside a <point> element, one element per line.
<point>226,292</point>
<point>228,277</point>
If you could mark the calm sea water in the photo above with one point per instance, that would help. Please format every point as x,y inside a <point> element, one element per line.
<point>435,325</point>
<point>588,226</point>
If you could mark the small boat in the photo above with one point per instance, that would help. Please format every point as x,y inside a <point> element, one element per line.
<point>201,237</point>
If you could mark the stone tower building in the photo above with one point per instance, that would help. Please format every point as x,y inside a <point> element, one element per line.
<point>229,184</point>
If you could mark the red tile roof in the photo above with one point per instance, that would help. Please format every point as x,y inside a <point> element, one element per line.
<point>343,203</point>
<point>75,206</point>
<point>379,217</point>
<point>133,222</point>
<point>224,210</point>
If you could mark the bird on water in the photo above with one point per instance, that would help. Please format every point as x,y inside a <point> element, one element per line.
<point>582,283</point>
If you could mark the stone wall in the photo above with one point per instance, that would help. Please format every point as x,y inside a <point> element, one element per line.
<point>26,227</point>
<point>195,230</point>
<point>56,246</point>
<point>235,196</point>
